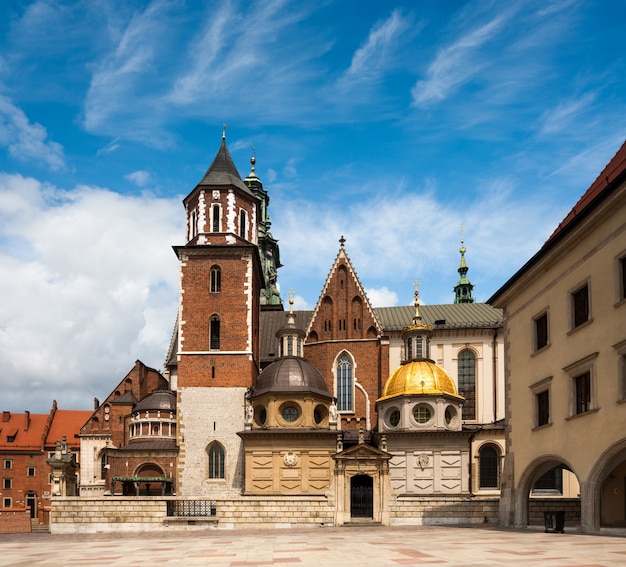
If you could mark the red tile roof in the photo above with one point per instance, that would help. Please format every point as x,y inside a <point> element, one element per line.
<point>614,168</point>
<point>68,423</point>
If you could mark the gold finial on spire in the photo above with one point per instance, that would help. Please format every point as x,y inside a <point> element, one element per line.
<point>417,299</point>
<point>253,160</point>
<point>224,128</point>
<point>291,293</point>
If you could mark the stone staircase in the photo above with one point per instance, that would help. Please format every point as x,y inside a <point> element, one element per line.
<point>36,527</point>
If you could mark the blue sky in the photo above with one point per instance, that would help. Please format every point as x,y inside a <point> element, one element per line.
<point>391,123</point>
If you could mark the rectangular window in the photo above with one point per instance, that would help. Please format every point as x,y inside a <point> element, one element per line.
<point>8,464</point>
<point>551,481</point>
<point>580,306</point>
<point>6,503</point>
<point>7,483</point>
<point>582,385</point>
<point>30,471</point>
<point>543,407</point>
<point>541,331</point>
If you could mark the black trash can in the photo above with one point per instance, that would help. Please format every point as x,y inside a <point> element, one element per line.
<point>554,522</point>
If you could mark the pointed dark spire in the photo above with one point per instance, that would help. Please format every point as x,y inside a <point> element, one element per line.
<point>223,171</point>
<point>463,288</point>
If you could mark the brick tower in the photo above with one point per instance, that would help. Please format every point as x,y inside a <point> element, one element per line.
<point>218,328</point>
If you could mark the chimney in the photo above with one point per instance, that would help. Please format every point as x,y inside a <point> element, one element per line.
<point>6,416</point>
<point>26,420</point>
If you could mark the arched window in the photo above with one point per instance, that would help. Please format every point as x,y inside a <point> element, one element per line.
<point>214,340</point>
<point>467,382</point>
<point>409,349</point>
<point>345,384</point>
<point>216,461</point>
<point>216,218</point>
<point>216,279</point>
<point>489,465</point>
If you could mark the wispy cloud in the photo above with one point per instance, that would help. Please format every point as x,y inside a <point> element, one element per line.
<point>375,55</point>
<point>457,63</point>
<point>567,114</point>
<point>27,141</point>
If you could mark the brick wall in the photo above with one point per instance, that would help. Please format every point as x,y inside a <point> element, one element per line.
<point>14,520</point>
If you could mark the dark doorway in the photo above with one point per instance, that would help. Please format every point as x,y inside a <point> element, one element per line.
<point>31,500</point>
<point>361,496</point>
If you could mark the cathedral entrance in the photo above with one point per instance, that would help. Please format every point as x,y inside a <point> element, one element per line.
<point>361,496</point>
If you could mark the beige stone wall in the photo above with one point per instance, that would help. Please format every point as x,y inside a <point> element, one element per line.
<point>127,514</point>
<point>413,511</point>
<point>587,254</point>
<point>206,415</point>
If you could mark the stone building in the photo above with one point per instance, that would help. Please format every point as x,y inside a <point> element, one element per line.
<point>565,320</point>
<point>285,407</point>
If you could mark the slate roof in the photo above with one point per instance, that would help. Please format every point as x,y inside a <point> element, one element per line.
<point>223,171</point>
<point>449,316</point>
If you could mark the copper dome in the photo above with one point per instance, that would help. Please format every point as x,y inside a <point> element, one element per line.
<point>291,374</point>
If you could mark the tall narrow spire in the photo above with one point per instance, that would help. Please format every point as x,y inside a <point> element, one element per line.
<point>463,288</point>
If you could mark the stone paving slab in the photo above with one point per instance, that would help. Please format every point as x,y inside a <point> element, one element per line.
<point>322,547</point>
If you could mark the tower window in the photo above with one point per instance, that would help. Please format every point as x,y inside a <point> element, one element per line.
<point>214,343</point>
<point>467,382</point>
<point>242,223</point>
<point>345,384</point>
<point>193,222</point>
<point>216,461</point>
<point>216,218</point>
<point>216,279</point>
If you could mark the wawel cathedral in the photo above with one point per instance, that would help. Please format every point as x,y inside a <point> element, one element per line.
<point>346,413</point>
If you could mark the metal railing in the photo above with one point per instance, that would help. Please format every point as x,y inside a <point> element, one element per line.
<point>193,508</point>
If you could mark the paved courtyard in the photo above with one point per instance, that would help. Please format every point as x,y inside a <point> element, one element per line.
<point>340,547</point>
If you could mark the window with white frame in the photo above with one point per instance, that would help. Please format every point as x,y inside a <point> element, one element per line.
<point>467,382</point>
<point>7,503</point>
<point>345,383</point>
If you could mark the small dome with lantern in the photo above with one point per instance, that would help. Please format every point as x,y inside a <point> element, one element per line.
<point>419,394</point>
<point>290,392</point>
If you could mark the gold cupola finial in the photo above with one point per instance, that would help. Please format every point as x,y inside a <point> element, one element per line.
<point>416,303</point>
<point>291,293</point>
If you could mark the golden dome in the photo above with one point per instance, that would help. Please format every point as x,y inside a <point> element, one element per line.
<point>420,377</point>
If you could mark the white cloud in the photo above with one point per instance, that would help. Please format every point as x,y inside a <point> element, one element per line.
<point>374,55</point>
<point>93,287</point>
<point>567,113</point>
<point>382,297</point>
<point>140,177</point>
<point>26,141</point>
<point>457,63</point>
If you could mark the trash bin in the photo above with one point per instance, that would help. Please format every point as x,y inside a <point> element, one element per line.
<point>554,521</point>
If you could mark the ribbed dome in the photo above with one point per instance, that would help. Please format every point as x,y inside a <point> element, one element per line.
<point>291,374</point>
<point>159,400</point>
<point>420,377</point>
